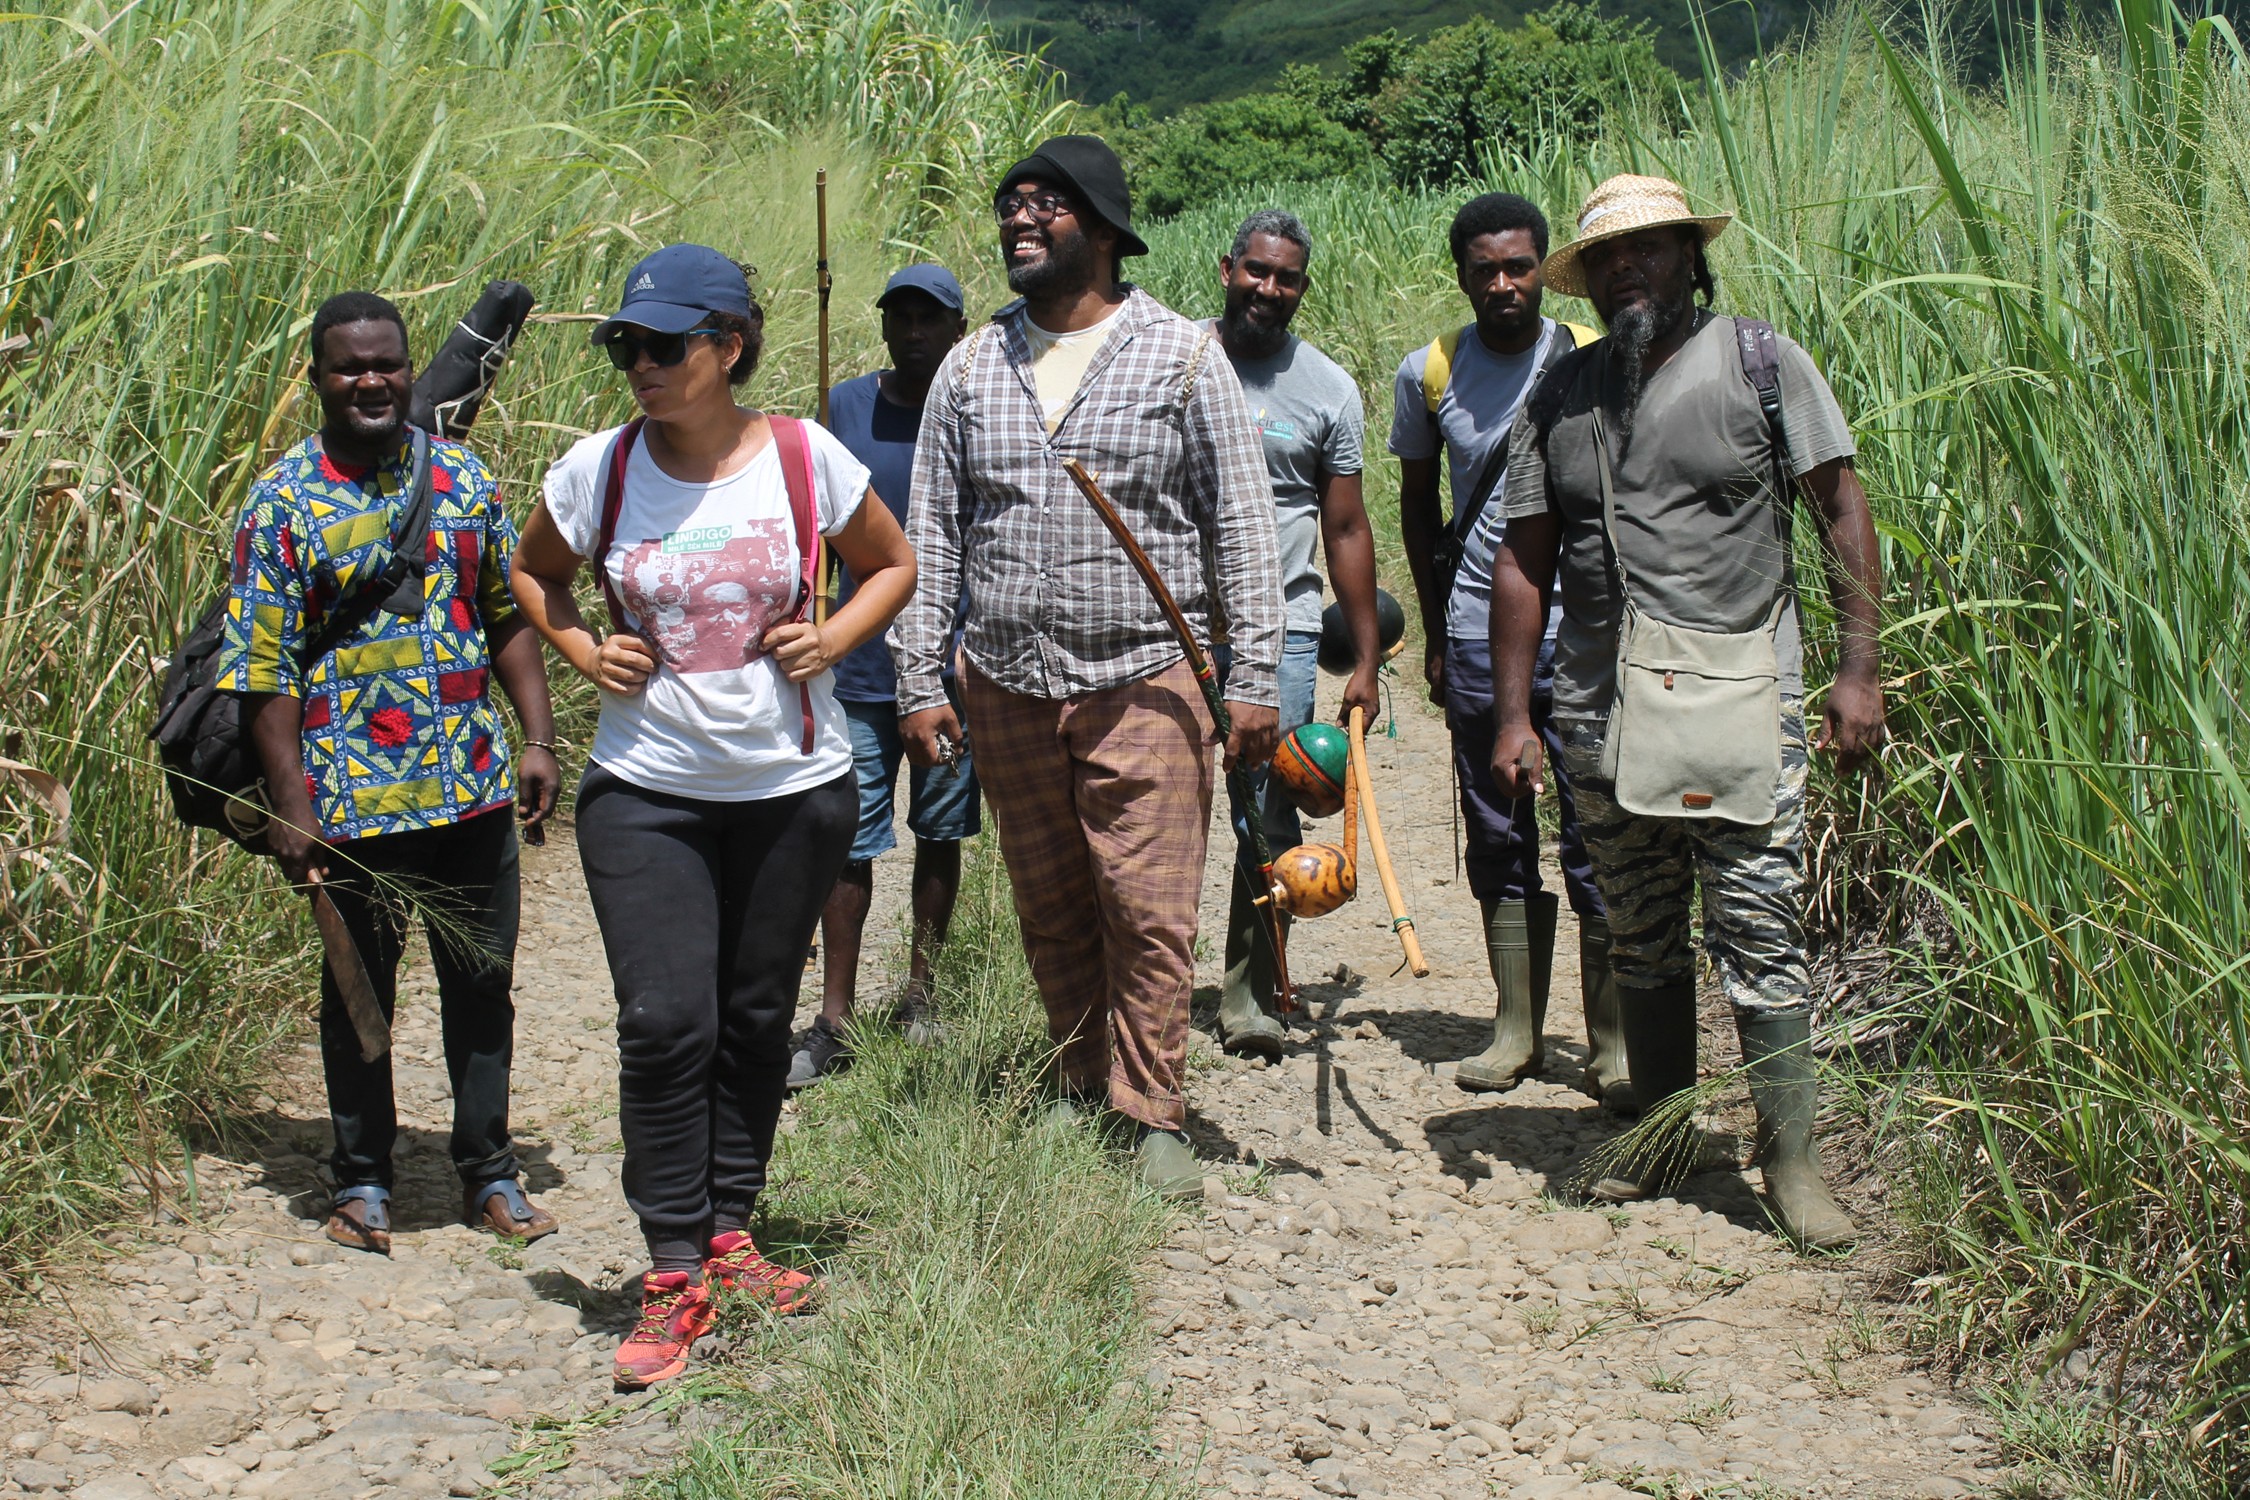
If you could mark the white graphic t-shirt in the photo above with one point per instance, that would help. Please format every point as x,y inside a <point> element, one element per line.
<point>704,571</point>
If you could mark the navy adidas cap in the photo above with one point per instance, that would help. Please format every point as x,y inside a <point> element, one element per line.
<point>677,288</point>
<point>928,278</point>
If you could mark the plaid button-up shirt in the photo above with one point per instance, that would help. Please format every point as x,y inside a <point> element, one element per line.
<point>1055,609</point>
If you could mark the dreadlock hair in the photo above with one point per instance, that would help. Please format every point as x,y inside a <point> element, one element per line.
<point>751,330</point>
<point>346,308</point>
<point>1699,275</point>
<point>1497,213</point>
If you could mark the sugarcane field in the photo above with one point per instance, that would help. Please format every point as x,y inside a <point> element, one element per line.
<point>877,749</point>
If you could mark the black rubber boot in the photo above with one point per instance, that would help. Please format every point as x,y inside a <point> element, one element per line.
<point>1515,1053</point>
<point>1608,1076</point>
<point>1785,1087</point>
<point>1245,1026</point>
<point>1660,1044</point>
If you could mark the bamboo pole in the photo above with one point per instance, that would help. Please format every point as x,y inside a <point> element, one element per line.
<point>824,567</point>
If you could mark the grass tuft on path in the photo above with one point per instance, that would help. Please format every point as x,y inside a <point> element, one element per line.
<point>981,1332</point>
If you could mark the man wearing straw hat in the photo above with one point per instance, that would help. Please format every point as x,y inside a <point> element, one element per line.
<point>1659,485</point>
<point>1092,735</point>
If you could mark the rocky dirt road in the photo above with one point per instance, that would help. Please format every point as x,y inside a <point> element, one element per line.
<point>1410,1302</point>
<point>1396,1302</point>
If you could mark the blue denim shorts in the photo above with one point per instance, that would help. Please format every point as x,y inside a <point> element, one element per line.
<point>943,804</point>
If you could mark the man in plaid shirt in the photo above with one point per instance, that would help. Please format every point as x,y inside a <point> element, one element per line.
<point>1092,736</point>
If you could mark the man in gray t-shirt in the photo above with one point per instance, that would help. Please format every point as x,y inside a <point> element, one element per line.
<point>1667,414</point>
<point>1463,393</point>
<point>1309,421</point>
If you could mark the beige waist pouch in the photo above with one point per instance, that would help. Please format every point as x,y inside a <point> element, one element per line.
<point>1695,725</point>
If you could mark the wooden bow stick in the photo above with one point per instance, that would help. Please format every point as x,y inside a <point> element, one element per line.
<point>1401,923</point>
<point>1251,832</point>
<point>823,565</point>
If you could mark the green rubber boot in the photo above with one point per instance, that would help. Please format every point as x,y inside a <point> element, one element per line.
<point>1660,1042</point>
<point>1245,1028</point>
<point>1785,1087</point>
<point>1168,1164</point>
<point>1608,1076</point>
<point>1520,1011</point>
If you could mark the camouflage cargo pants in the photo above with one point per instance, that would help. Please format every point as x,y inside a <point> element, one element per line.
<point>1753,880</point>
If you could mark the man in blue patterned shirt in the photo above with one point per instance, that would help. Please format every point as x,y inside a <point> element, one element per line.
<point>386,762</point>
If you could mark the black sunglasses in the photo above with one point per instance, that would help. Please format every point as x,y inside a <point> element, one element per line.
<point>1044,206</point>
<point>626,346</point>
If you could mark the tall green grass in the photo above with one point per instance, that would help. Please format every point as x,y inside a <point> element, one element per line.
<point>180,185</point>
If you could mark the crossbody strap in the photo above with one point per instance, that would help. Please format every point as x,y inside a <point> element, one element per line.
<point>1609,534</point>
<point>795,452</point>
<point>398,588</point>
<point>613,502</point>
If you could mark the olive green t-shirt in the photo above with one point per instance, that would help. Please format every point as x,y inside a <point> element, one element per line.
<point>1703,542</point>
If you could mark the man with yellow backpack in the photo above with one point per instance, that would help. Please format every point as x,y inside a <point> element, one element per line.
<point>1462,394</point>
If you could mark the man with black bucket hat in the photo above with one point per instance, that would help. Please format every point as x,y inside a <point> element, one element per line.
<point>1092,737</point>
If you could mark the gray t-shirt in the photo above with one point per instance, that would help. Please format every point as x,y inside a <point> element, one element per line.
<point>1307,411</point>
<point>1703,542</point>
<point>1482,397</point>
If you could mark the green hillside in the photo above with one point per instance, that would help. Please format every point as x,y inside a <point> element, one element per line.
<point>1169,53</point>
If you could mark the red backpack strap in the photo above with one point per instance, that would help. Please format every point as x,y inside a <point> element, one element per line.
<point>795,452</point>
<point>613,501</point>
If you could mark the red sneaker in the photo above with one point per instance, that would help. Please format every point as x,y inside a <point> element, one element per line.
<point>675,1312</point>
<point>736,1266</point>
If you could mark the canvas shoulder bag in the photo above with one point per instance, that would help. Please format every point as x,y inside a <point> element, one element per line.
<point>1695,722</point>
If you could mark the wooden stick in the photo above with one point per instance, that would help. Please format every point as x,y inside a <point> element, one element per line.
<point>824,567</point>
<point>1401,923</point>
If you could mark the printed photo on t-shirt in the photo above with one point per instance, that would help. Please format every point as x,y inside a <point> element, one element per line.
<point>707,595</point>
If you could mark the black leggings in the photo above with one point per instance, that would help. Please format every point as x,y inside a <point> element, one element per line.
<point>706,910</point>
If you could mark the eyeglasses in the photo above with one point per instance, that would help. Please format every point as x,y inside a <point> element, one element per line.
<point>663,349</point>
<point>1044,206</point>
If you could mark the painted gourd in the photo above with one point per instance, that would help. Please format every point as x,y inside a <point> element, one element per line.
<point>1311,764</point>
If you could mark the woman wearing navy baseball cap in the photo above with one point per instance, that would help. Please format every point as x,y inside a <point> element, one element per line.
<point>718,805</point>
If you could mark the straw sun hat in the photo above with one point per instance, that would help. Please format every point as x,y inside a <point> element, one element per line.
<point>1621,206</point>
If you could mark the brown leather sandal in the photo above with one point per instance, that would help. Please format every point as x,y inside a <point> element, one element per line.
<point>501,1207</point>
<point>360,1219</point>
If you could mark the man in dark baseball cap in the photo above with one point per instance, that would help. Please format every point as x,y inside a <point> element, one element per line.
<point>931,280</point>
<point>1085,167</point>
<point>675,289</point>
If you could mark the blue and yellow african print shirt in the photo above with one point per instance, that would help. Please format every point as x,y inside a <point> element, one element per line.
<point>400,728</point>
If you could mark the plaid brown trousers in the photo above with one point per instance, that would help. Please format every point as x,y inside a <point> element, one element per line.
<point>1104,807</point>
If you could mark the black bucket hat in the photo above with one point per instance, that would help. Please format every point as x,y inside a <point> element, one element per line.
<point>1095,177</point>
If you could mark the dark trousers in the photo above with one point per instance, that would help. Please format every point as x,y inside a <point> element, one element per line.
<point>462,880</point>
<point>1503,859</point>
<point>706,910</point>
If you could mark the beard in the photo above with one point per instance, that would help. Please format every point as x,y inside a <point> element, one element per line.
<point>1067,265</point>
<point>1256,340</point>
<point>1634,332</point>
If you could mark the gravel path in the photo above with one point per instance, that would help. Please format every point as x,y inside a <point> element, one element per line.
<point>1395,1305</point>
<point>1405,1299</point>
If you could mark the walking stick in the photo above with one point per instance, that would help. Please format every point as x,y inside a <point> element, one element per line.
<point>1252,834</point>
<point>1401,923</point>
<point>825,565</point>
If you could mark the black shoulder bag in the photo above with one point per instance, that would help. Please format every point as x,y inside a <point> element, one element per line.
<point>210,767</point>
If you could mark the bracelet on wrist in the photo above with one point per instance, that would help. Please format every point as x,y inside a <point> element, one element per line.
<point>546,745</point>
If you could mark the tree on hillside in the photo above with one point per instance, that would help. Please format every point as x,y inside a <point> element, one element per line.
<point>1428,109</point>
<point>1259,138</point>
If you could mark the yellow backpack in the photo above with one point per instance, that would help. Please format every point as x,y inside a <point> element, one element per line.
<point>1439,367</point>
